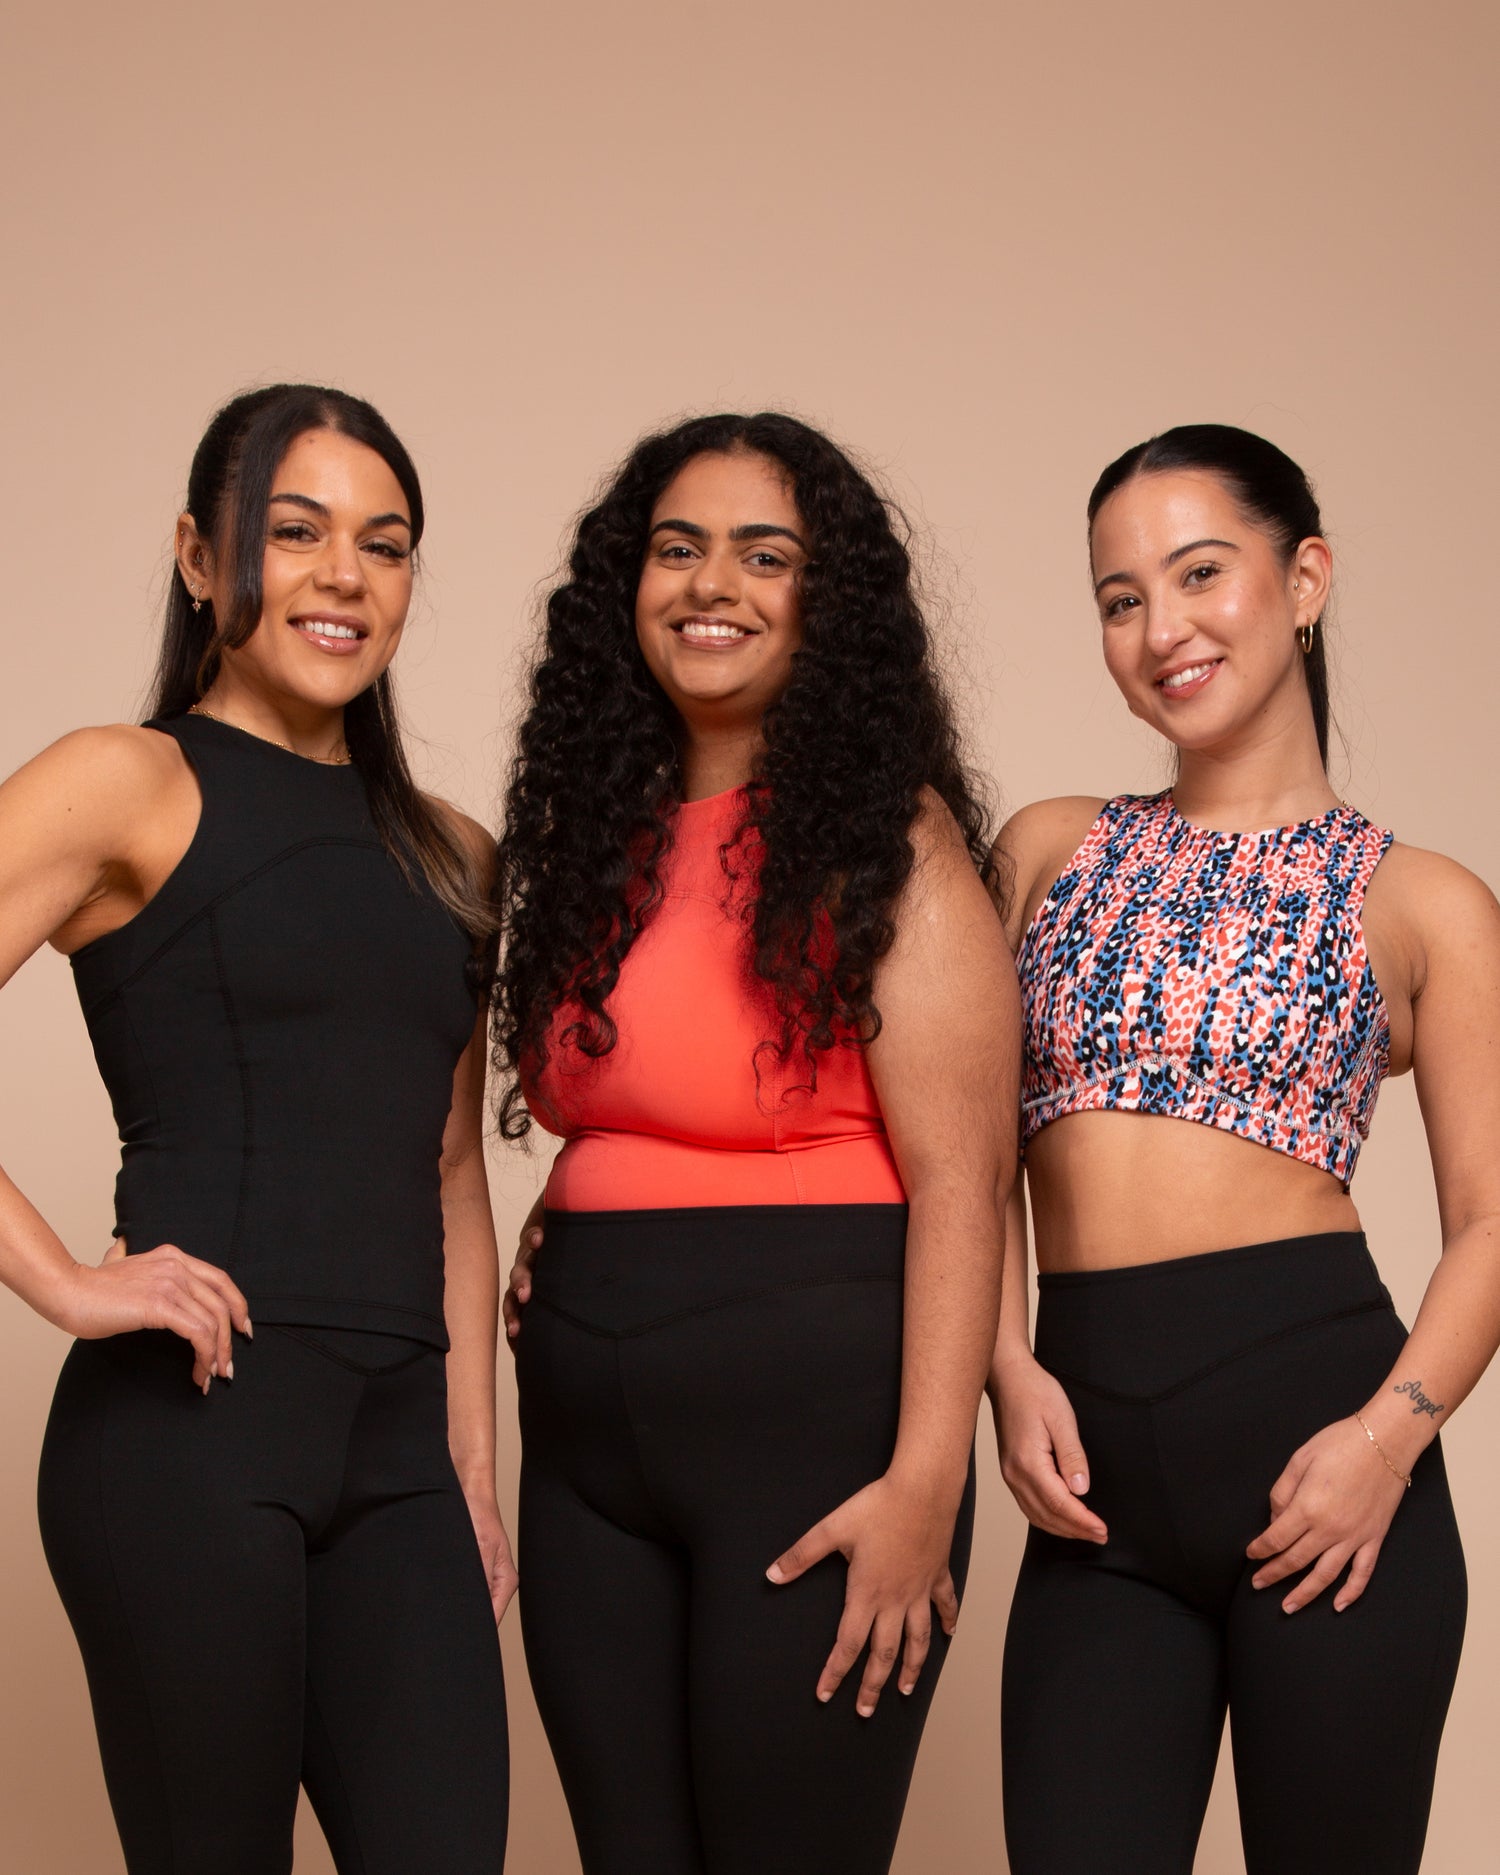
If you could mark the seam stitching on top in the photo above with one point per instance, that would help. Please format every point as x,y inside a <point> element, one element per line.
<point>207,910</point>
<point>242,1066</point>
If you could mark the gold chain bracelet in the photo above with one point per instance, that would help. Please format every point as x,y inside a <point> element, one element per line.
<point>1405,1477</point>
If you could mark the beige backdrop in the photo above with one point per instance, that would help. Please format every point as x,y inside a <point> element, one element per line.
<point>989,246</point>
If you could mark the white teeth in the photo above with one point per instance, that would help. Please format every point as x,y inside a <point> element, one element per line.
<point>1190,675</point>
<point>321,629</point>
<point>703,628</point>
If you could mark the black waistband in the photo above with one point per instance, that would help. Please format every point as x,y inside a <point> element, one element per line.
<point>1145,1329</point>
<point>626,1271</point>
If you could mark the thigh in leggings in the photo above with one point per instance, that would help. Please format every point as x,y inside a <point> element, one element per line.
<point>695,1395</point>
<point>1194,1383</point>
<point>275,1584</point>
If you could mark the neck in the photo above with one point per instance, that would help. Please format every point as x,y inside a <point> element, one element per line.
<point>715,760</point>
<point>1273,778</point>
<point>309,729</point>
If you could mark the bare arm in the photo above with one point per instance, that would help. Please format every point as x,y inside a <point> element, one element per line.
<point>471,1306</point>
<point>471,1277</point>
<point>1338,1495</point>
<point>87,832</point>
<point>1042,1459</point>
<point>944,1068</point>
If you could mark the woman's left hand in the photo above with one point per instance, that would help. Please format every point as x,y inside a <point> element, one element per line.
<point>1331,1506</point>
<point>896,1542</point>
<point>494,1549</point>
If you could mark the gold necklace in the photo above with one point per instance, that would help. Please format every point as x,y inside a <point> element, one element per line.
<point>327,761</point>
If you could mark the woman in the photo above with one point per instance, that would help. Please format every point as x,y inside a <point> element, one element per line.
<point>751,976</point>
<point>1228,1455</point>
<point>267,1546</point>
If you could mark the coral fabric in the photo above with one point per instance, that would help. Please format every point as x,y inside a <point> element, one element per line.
<point>676,1114</point>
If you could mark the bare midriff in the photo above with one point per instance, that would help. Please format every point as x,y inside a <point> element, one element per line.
<point>1111,1189</point>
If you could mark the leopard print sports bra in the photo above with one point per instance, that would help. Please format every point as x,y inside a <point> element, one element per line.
<point>1217,977</point>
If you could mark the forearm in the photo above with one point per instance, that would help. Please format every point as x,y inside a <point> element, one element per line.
<point>954,1252</point>
<point>34,1261</point>
<point>471,1305</point>
<point>1013,1336</point>
<point>1453,1340</point>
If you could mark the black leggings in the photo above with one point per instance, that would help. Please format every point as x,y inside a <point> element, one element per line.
<point>698,1388</point>
<point>278,1583</point>
<point>1194,1382</point>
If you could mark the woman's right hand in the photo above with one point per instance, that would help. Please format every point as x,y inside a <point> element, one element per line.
<point>518,1288</point>
<point>160,1288</point>
<point>1041,1455</point>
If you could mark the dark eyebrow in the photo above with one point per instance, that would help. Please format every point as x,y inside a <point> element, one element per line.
<point>316,507</point>
<point>752,530</point>
<point>1177,553</point>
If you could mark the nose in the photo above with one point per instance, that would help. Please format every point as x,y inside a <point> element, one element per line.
<point>1166,628</point>
<point>715,579</point>
<point>339,567</point>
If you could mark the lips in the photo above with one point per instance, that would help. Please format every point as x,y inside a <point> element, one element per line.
<point>1188,679</point>
<point>330,632</point>
<point>703,629</point>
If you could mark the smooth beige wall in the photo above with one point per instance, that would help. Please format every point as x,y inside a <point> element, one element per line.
<point>988,245</point>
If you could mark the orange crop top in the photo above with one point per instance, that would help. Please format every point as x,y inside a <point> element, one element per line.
<point>673,1115</point>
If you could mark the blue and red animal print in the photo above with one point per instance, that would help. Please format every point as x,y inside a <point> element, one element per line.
<point>1218,977</point>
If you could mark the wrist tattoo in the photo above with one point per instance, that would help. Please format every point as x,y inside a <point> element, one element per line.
<point>1419,1400</point>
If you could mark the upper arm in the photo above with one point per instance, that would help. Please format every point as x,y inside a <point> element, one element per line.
<point>463,1135</point>
<point>1034,846</point>
<point>71,821</point>
<point>1456,1035</point>
<point>945,1064</point>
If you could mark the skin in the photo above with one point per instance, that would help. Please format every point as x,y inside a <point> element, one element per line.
<point>1110,1189</point>
<point>944,1067</point>
<point>91,829</point>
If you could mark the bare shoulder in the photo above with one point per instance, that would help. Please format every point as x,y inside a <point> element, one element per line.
<point>476,840</point>
<point>109,774</point>
<point>1034,846</point>
<point>1443,908</point>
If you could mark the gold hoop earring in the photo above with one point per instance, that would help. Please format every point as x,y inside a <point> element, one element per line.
<point>1305,638</point>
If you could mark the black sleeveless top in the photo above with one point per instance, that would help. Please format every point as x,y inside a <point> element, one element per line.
<point>278,1030</point>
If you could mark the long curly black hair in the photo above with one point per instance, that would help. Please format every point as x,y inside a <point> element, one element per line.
<point>863,726</point>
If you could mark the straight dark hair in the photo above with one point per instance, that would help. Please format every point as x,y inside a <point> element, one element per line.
<point>229,491</point>
<point>1268,487</point>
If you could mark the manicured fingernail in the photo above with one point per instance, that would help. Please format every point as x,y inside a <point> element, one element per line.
<point>1339,1607</point>
<point>213,1372</point>
<point>773,1574</point>
<point>1079,1483</point>
<point>206,1385</point>
<point>1289,1608</point>
<point>823,1697</point>
<point>249,1329</point>
<point>909,1689</point>
<point>229,1371</point>
<point>865,1712</point>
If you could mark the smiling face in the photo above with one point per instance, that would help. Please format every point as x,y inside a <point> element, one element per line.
<point>336,578</point>
<point>718,611</point>
<point>1200,609</point>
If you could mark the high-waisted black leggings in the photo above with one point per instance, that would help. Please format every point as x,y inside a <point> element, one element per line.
<point>278,1583</point>
<point>1194,1381</point>
<point>698,1388</point>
